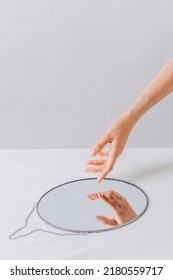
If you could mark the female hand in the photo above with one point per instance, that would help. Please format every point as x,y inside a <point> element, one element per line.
<point>122,210</point>
<point>116,136</point>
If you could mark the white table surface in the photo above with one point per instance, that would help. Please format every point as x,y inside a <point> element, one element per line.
<point>25,175</point>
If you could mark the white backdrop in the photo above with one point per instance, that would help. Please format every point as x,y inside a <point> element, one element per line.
<point>69,67</point>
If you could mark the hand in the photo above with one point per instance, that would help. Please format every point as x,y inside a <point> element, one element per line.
<point>122,210</point>
<point>116,135</point>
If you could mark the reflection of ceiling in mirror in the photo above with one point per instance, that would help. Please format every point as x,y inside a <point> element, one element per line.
<point>84,206</point>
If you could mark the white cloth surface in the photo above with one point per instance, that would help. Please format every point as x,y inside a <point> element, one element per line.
<point>25,175</point>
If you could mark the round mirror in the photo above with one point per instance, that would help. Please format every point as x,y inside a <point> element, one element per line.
<point>86,207</point>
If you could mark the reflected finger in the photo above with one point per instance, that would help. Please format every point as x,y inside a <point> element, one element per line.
<point>93,196</point>
<point>115,194</point>
<point>111,194</point>
<point>111,203</point>
<point>106,221</point>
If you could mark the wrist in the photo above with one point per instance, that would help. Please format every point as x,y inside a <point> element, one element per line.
<point>132,116</point>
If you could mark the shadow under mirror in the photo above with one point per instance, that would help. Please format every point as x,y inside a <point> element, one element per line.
<point>84,206</point>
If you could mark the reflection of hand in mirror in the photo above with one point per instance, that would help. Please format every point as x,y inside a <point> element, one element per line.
<point>122,210</point>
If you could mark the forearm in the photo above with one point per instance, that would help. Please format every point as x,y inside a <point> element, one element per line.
<point>159,88</point>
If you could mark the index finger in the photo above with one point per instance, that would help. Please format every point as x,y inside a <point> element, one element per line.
<point>93,196</point>
<point>114,154</point>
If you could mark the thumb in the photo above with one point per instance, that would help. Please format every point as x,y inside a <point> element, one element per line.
<point>107,221</point>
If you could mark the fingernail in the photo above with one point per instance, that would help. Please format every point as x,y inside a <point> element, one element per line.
<point>100,194</point>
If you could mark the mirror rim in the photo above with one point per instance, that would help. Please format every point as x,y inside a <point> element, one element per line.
<point>92,231</point>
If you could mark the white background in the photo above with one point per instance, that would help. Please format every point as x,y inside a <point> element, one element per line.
<point>69,67</point>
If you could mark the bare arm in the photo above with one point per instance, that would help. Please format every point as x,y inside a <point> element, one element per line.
<point>159,88</point>
<point>118,132</point>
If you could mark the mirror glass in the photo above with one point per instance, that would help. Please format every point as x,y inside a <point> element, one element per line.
<point>85,206</point>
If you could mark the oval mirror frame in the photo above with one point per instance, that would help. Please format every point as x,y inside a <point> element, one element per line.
<point>42,213</point>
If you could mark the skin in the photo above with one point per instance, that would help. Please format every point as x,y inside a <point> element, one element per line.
<point>116,135</point>
<point>122,210</point>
